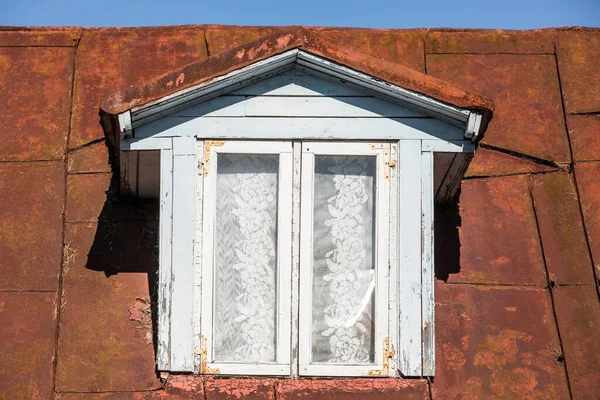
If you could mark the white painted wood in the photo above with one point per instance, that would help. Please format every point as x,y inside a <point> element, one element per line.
<point>298,106</point>
<point>298,85</point>
<point>443,146</point>
<point>393,262</point>
<point>410,258</point>
<point>248,369</point>
<point>473,125</point>
<point>184,146</point>
<point>427,264</point>
<point>149,143</point>
<point>425,103</point>
<point>306,254</point>
<point>381,333</point>
<point>335,370</point>
<point>349,107</point>
<point>302,128</point>
<point>214,87</point>
<point>263,69</point>
<point>222,106</point>
<point>125,123</point>
<point>296,181</point>
<point>208,229</point>
<point>163,348</point>
<point>198,257</point>
<point>260,104</point>
<point>284,257</point>
<point>182,276</point>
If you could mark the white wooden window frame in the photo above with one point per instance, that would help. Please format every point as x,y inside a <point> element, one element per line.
<point>413,142</point>
<point>381,152</point>
<point>284,257</point>
<point>411,313</point>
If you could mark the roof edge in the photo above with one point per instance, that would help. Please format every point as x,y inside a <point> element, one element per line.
<point>201,71</point>
<point>296,37</point>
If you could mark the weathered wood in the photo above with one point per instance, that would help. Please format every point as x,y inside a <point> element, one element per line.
<point>393,319</point>
<point>182,276</point>
<point>148,174</point>
<point>473,125</point>
<point>125,123</point>
<point>163,348</point>
<point>198,258</point>
<point>381,268</point>
<point>149,143</point>
<point>213,88</point>
<point>349,107</point>
<point>297,157</point>
<point>443,146</point>
<point>395,93</point>
<point>315,65</point>
<point>409,258</point>
<point>427,264</point>
<point>284,257</point>
<point>452,179</point>
<point>128,170</point>
<point>302,128</point>
<point>298,85</point>
<point>222,106</point>
<point>299,106</point>
<point>254,104</point>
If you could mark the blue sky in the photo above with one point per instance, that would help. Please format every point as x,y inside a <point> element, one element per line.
<point>507,14</point>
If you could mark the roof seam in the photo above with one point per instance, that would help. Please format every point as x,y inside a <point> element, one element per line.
<point>60,289</point>
<point>550,285</point>
<point>499,53</point>
<point>37,46</point>
<point>523,156</point>
<point>271,45</point>
<point>575,183</point>
<point>472,177</point>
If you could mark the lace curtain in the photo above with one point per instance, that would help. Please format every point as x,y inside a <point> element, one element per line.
<point>245,258</point>
<point>343,260</point>
<point>343,273</point>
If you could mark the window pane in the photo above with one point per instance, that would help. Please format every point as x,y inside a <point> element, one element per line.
<point>245,258</point>
<point>344,260</point>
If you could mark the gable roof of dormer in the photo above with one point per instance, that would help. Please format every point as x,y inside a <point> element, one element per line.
<point>267,56</point>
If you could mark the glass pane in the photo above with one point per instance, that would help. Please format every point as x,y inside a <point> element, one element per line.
<point>245,258</point>
<point>344,260</point>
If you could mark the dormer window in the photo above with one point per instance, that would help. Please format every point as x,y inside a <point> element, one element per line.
<point>296,218</point>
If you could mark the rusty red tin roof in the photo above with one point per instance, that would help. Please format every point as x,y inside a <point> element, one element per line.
<point>283,40</point>
<point>516,316</point>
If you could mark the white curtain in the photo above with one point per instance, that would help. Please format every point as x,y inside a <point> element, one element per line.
<point>343,263</point>
<point>245,258</point>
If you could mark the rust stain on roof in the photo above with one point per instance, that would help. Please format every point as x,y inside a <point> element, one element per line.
<point>279,42</point>
<point>529,214</point>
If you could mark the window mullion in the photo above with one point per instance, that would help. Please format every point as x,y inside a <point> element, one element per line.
<point>296,193</point>
<point>393,262</point>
